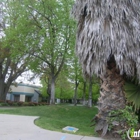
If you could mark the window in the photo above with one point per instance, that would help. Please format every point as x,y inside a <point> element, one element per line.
<point>28,99</point>
<point>16,98</point>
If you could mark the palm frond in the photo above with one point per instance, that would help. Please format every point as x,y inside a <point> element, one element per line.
<point>132,92</point>
<point>108,28</point>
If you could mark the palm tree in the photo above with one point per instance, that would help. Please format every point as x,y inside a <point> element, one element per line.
<point>108,45</point>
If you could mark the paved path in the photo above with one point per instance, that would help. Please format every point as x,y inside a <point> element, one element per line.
<point>14,127</point>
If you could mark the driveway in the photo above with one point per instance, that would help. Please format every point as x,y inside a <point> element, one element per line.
<point>14,127</point>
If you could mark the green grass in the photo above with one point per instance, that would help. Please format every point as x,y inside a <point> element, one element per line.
<point>58,116</point>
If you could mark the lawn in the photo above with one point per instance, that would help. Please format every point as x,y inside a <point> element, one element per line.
<point>56,117</point>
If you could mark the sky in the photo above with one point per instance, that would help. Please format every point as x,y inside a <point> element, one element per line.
<point>25,78</point>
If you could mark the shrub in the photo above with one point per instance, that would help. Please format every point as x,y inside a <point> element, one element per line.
<point>31,104</point>
<point>1,101</point>
<point>43,103</point>
<point>15,104</point>
<point>4,104</point>
<point>35,103</point>
<point>39,103</point>
<point>20,103</point>
<point>10,103</point>
<point>25,103</point>
<point>125,118</point>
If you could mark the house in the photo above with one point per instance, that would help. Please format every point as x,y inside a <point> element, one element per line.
<point>24,92</point>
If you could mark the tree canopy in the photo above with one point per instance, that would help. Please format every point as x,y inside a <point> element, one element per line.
<point>44,30</point>
<point>14,58</point>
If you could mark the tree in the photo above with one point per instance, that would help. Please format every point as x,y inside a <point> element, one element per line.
<point>90,92</point>
<point>44,89</point>
<point>51,33</point>
<point>107,44</point>
<point>64,88</point>
<point>10,70</point>
<point>84,92</point>
<point>76,79</point>
<point>54,32</point>
<point>13,60</point>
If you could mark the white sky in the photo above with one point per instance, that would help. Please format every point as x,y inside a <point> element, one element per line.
<point>25,78</point>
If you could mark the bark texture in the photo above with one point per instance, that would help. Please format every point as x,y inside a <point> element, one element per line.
<point>84,93</point>
<point>52,98</point>
<point>75,91</point>
<point>111,96</point>
<point>2,90</point>
<point>90,93</point>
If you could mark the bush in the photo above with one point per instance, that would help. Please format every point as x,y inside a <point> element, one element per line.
<point>31,104</point>
<point>36,104</point>
<point>20,103</point>
<point>1,101</point>
<point>15,104</point>
<point>43,103</point>
<point>10,103</point>
<point>125,118</point>
<point>4,104</point>
<point>25,103</point>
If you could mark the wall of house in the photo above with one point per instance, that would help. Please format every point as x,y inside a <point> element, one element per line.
<point>23,92</point>
<point>22,89</point>
<point>35,98</point>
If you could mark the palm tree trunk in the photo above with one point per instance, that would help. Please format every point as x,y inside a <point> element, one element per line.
<point>111,96</point>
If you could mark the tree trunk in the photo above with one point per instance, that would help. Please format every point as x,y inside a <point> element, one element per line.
<point>61,92</point>
<point>75,96</point>
<point>84,94</point>
<point>52,99</point>
<point>90,93</point>
<point>75,92</point>
<point>49,90</point>
<point>2,90</point>
<point>112,96</point>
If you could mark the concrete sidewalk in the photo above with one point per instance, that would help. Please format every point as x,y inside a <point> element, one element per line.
<point>14,127</point>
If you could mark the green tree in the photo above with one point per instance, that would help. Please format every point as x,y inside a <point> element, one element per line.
<point>13,56</point>
<point>76,79</point>
<point>90,90</point>
<point>55,30</point>
<point>64,88</point>
<point>51,36</point>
